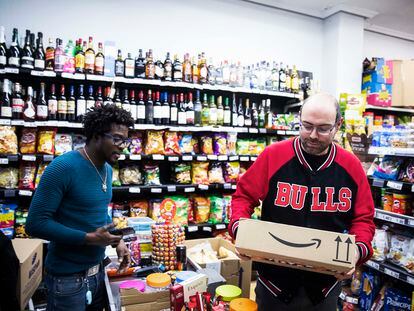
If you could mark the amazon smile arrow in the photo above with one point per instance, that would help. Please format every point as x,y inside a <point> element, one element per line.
<point>316,242</point>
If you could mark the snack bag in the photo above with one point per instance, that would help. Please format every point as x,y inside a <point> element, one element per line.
<point>63,144</point>
<point>20,223</point>
<point>201,209</point>
<point>395,300</point>
<point>215,173</point>
<point>227,208</point>
<point>186,143</point>
<point>231,171</point>
<point>181,210</point>
<point>9,177</point>
<point>28,141</point>
<point>206,144</point>
<point>155,143</point>
<point>8,140</point>
<point>216,210</point>
<point>116,181</point>
<point>190,213</point>
<point>408,260</point>
<point>155,210</point>
<point>138,208</point>
<point>136,143</point>
<point>261,145</point>
<point>40,172</point>
<point>220,143</point>
<point>231,143</point>
<point>171,143</point>
<point>27,176</point>
<point>388,168</point>
<point>200,173</point>
<point>130,175</point>
<point>399,247</point>
<point>152,174</point>
<point>243,147</point>
<point>7,211</point>
<point>46,142</point>
<point>196,145</point>
<point>120,215</point>
<point>380,245</point>
<point>181,173</point>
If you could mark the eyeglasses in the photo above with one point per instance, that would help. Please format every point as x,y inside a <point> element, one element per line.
<point>320,130</point>
<point>119,141</point>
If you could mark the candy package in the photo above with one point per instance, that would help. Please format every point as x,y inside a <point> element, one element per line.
<point>171,143</point>
<point>215,173</point>
<point>7,218</point>
<point>216,209</point>
<point>231,143</point>
<point>231,171</point>
<point>40,172</point>
<point>181,210</point>
<point>380,245</point>
<point>130,175</point>
<point>8,140</point>
<point>152,174</point>
<point>155,210</point>
<point>9,177</point>
<point>136,143</point>
<point>196,145</point>
<point>407,174</point>
<point>27,176</point>
<point>190,212</point>
<point>201,209</point>
<point>181,173</point>
<point>200,173</point>
<point>78,141</point>
<point>154,143</point>
<point>46,142</point>
<point>63,143</point>
<point>20,223</point>
<point>186,143</point>
<point>227,208</point>
<point>116,181</point>
<point>120,215</point>
<point>27,143</point>
<point>220,143</point>
<point>138,208</point>
<point>396,300</point>
<point>206,144</point>
<point>388,168</point>
<point>398,248</point>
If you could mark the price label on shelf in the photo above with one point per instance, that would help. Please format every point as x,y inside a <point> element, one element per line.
<point>52,123</point>
<point>410,280</point>
<point>5,122</point>
<point>411,222</point>
<point>121,157</point>
<point>203,187</point>
<point>223,158</point>
<point>41,123</point>
<point>189,189</point>
<point>30,158</point>
<point>233,158</point>
<point>173,159</point>
<point>201,158</point>
<point>192,228</point>
<point>30,124</point>
<point>187,158</point>
<point>220,226</point>
<point>12,70</point>
<point>49,73</point>
<point>37,73</point>
<point>134,190</point>
<point>17,122</point>
<point>342,295</point>
<point>171,188</point>
<point>135,157</point>
<point>378,182</point>
<point>25,193</point>
<point>2,71</point>
<point>156,190</point>
<point>227,186</point>
<point>48,158</point>
<point>4,161</point>
<point>253,130</point>
<point>391,273</point>
<point>373,264</point>
<point>244,158</point>
<point>9,193</point>
<point>262,131</point>
<point>158,157</point>
<point>280,132</point>
<point>395,185</point>
<point>352,300</point>
<point>212,157</point>
<point>207,229</point>
<point>253,159</point>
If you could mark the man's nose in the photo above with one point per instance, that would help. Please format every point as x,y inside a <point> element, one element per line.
<point>314,133</point>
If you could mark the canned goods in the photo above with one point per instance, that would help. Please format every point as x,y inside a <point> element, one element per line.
<point>387,201</point>
<point>181,253</point>
<point>401,204</point>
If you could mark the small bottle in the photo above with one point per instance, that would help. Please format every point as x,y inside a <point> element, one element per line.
<point>129,67</point>
<point>190,114</point>
<point>50,56</point>
<point>39,53</point>
<point>62,104</point>
<point>5,104</point>
<point>168,68</point>
<point>149,109</point>
<point>52,104</point>
<point>29,111</point>
<point>141,109</point>
<point>60,58</point>
<point>100,60</point>
<point>90,58</point>
<point>27,60</point>
<point>41,104</point>
<point>187,71</point>
<point>71,110</point>
<point>17,102</point>
<point>149,66</point>
<point>197,109</point>
<point>80,104</point>
<point>119,65</point>
<point>14,51</point>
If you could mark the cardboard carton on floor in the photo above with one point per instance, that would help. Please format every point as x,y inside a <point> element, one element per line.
<point>30,255</point>
<point>147,300</point>
<point>296,247</point>
<point>231,267</point>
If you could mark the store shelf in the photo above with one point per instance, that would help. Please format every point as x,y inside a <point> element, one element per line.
<point>399,219</point>
<point>390,109</point>
<point>10,158</point>
<point>404,152</point>
<point>138,189</point>
<point>206,227</point>
<point>396,185</point>
<point>177,158</point>
<point>391,270</point>
<point>14,193</point>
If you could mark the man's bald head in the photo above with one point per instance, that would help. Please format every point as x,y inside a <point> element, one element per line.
<point>323,101</point>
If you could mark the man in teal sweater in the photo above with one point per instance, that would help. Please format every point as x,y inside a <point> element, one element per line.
<point>70,209</point>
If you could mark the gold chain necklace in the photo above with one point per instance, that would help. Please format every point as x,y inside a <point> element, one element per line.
<point>104,187</point>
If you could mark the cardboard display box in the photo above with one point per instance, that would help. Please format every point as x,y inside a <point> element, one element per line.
<point>150,300</point>
<point>229,267</point>
<point>296,247</point>
<point>30,255</point>
<point>402,90</point>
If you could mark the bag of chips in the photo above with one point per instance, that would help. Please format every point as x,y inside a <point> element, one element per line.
<point>9,177</point>
<point>186,143</point>
<point>243,146</point>
<point>261,145</point>
<point>28,141</point>
<point>231,143</point>
<point>200,173</point>
<point>220,143</point>
<point>215,173</point>
<point>130,175</point>
<point>8,140</point>
<point>206,144</point>
<point>399,247</point>
<point>155,142</point>
<point>171,143</point>
<point>116,181</point>
<point>27,176</point>
<point>136,143</point>
<point>40,172</point>
<point>216,209</point>
<point>20,223</point>
<point>190,213</point>
<point>388,168</point>
<point>155,210</point>
<point>380,245</point>
<point>201,209</point>
<point>181,173</point>
<point>227,208</point>
<point>231,172</point>
<point>138,208</point>
<point>120,213</point>
<point>181,210</point>
<point>63,143</point>
<point>46,142</point>
<point>196,145</point>
<point>7,211</point>
<point>152,174</point>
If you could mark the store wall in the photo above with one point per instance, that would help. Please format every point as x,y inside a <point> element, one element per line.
<point>378,45</point>
<point>229,29</point>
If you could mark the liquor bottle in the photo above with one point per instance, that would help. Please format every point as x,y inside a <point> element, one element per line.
<point>41,104</point>
<point>117,99</point>
<point>275,77</point>
<point>219,74</point>
<point>141,111</point>
<point>166,113</point>
<point>80,58</point>
<point>177,69</point>
<point>262,114</point>
<point>211,72</point>
<point>71,111</point>
<point>17,102</point>
<point>126,105</point>
<point>168,68</point>
<point>247,114</point>
<point>100,61</point>
<point>240,74</point>
<point>227,113</point>
<point>39,53</point>
<point>50,56</point>
<point>80,104</point>
<point>14,51</point>
<point>6,107</point>
<point>295,80</point>
<point>205,112</point>
<point>27,60</point>
<point>174,110</point>
<point>149,109</point>
<point>288,82</point>
<point>268,115</point>
<point>233,75</point>
<point>119,65</point>
<point>150,66</point>
<point>212,111</point>
<point>182,116</point>
<point>59,56</point>
<point>195,73</point>
<point>159,70</point>
<point>255,115</point>
<point>52,104</point>
<point>226,73</point>
<point>197,109</point>
<point>282,78</point>
<point>240,113</point>
<point>203,70</point>
<point>133,104</point>
<point>129,67</point>
<point>62,104</point>
<point>220,111</point>
<point>29,111</point>
<point>190,109</point>
<point>90,58</point>
<point>108,98</point>
<point>140,65</point>
<point>99,98</point>
<point>157,109</point>
<point>69,65</point>
<point>90,100</point>
<point>3,49</point>
<point>32,42</point>
<point>187,71</point>
<point>234,113</point>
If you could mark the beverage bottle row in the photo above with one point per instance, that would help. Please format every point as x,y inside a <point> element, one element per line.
<point>69,103</point>
<point>82,58</point>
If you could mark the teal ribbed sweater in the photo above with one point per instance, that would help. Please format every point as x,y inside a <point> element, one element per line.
<point>68,203</point>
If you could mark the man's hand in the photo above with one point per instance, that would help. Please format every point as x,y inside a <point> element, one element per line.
<point>102,237</point>
<point>124,257</point>
<point>348,275</point>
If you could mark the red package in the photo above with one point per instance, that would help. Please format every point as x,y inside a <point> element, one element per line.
<point>171,145</point>
<point>27,176</point>
<point>177,297</point>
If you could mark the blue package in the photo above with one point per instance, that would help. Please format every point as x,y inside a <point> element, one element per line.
<point>395,300</point>
<point>8,232</point>
<point>370,289</point>
<point>388,168</point>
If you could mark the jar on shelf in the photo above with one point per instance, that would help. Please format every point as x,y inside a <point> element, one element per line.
<point>401,203</point>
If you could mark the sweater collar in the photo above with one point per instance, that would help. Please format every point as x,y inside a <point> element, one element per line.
<point>299,154</point>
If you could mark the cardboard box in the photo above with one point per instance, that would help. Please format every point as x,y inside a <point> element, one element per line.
<point>230,267</point>
<point>150,306</point>
<point>30,255</point>
<point>147,300</point>
<point>296,247</point>
<point>402,90</point>
<point>194,285</point>
<point>383,72</point>
<point>378,94</point>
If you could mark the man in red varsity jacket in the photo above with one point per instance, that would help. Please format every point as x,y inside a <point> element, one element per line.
<point>310,182</point>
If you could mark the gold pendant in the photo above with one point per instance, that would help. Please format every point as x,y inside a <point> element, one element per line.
<point>104,187</point>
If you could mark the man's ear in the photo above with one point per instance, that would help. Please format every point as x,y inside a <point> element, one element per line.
<point>340,122</point>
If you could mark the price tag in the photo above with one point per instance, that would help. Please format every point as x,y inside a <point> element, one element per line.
<point>243,130</point>
<point>187,158</point>
<point>395,185</point>
<point>227,186</point>
<point>212,157</point>
<point>67,75</point>
<point>410,280</point>
<point>203,187</point>
<point>280,132</point>
<point>378,182</point>
<point>156,190</point>
<point>233,158</point>
<point>201,158</point>
<point>5,122</point>
<point>352,300</point>
<point>173,159</point>
<point>53,123</point>
<point>9,193</point>
<point>136,157</point>
<point>244,158</point>
<point>171,188</point>
<point>12,70</point>
<point>75,125</point>
<point>411,222</point>
<point>234,187</point>
<point>391,273</point>
<point>262,131</point>
<point>291,132</point>
<point>4,161</point>
<point>223,158</point>
<point>121,157</point>
<point>373,264</point>
<point>189,189</point>
<point>192,228</point>
<point>134,190</point>
<point>30,124</point>
<point>342,295</point>
<point>253,159</point>
<point>158,157</point>
<point>17,122</point>
<point>2,71</point>
<point>220,226</point>
<point>48,158</point>
<point>49,73</point>
<point>207,229</point>
<point>27,157</point>
<point>253,130</point>
<point>25,193</point>
<point>41,123</point>
<point>37,73</point>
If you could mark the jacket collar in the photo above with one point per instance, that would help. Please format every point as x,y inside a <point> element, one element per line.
<point>299,154</point>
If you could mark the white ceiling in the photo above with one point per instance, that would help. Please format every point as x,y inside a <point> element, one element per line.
<point>391,17</point>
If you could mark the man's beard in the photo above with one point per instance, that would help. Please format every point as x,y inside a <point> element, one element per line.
<point>314,146</point>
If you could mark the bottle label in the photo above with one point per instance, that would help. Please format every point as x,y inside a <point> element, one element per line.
<point>90,61</point>
<point>60,62</point>
<point>80,107</point>
<point>134,112</point>
<point>150,70</point>
<point>30,113</point>
<point>14,61</point>
<point>90,104</point>
<point>129,68</point>
<point>39,64</point>
<point>119,68</point>
<point>6,112</point>
<point>178,74</point>
<point>50,55</point>
<point>52,106</point>
<point>190,117</point>
<point>99,64</point>
<point>27,62</point>
<point>62,106</point>
<point>17,105</point>
<point>141,112</point>
<point>157,112</point>
<point>71,107</point>
<point>182,118</point>
<point>203,73</point>
<point>165,112</point>
<point>126,107</point>
<point>213,115</point>
<point>168,71</point>
<point>42,111</point>
<point>226,116</point>
<point>235,121</point>
<point>240,120</point>
<point>295,84</point>
<point>159,72</point>
<point>80,61</point>
<point>174,114</point>
<point>3,60</point>
<point>69,64</point>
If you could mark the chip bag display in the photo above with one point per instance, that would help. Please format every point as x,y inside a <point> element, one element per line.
<point>46,142</point>
<point>201,209</point>
<point>27,176</point>
<point>154,143</point>
<point>136,143</point>
<point>215,173</point>
<point>181,173</point>
<point>130,175</point>
<point>206,144</point>
<point>216,209</point>
<point>63,143</point>
<point>220,144</point>
<point>9,177</point>
<point>186,143</point>
<point>171,143</point>
<point>27,143</point>
<point>138,208</point>
<point>152,174</point>
<point>200,173</point>
<point>39,173</point>
<point>20,223</point>
<point>181,210</point>
<point>8,140</point>
<point>231,171</point>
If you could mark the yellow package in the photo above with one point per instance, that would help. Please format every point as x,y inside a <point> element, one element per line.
<point>155,142</point>
<point>46,142</point>
<point>8,140</point>
<point>200,173</point>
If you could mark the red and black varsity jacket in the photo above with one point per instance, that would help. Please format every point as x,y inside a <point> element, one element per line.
<point>335,197</point>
